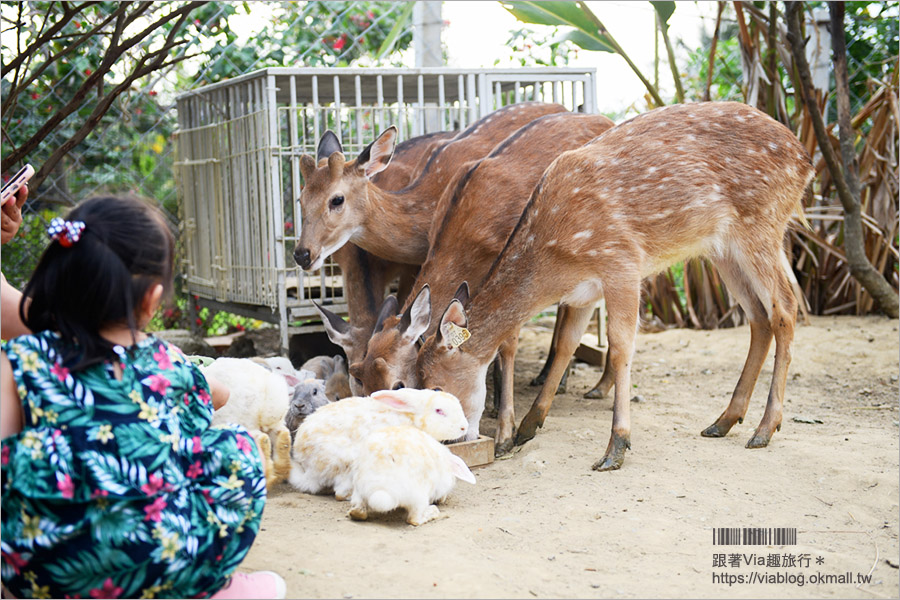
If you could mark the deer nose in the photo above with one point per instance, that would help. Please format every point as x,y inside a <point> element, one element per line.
<point>301,256</point>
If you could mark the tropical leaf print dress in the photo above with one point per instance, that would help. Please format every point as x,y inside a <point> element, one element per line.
<point>119,487</point>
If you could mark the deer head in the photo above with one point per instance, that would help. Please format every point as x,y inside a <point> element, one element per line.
<point>390,361</point>
<point>334,195</point>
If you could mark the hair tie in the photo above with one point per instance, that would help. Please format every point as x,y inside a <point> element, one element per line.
<point>65,232</point>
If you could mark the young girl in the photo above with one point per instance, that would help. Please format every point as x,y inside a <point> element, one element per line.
<point>113,483</point>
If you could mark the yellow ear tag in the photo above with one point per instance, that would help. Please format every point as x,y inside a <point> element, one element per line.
<point>456,335</point>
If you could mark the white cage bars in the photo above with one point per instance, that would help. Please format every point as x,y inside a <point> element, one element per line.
<point>238,165</point>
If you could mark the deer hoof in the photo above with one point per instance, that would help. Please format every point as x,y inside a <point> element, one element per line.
<point>714,431</point>
<point>615,453</point>
<point>759,440</point>
<point>505,447</point>
<point>527,430</point>
<point>595,393</point>
<point>539,379</point>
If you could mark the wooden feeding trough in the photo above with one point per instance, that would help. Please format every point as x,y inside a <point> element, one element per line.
<point>475,453</point>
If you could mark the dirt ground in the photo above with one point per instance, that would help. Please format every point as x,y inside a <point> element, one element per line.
<point>542,524</point>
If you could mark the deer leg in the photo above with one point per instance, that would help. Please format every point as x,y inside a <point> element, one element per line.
<point>541,377</point>
<point>760,339</point>
<point>576,321</point>
<point>607,379</point>
<point>783,319</point>
<point>506,416</point>
<point>622,302</point>
<point>497,377</point>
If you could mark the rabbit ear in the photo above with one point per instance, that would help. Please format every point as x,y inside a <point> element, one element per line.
<point>291,380</point>
<point>395,399</point>
<point>460,469</point>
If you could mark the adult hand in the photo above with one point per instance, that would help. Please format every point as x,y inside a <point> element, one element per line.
<point>11,216</point>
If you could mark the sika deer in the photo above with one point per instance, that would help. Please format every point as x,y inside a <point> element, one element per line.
<point>366,276</point>
<point>341,204</point>
<point>475,218</point>
<point>718,180</point>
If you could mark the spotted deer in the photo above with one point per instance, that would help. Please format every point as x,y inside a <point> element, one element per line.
<point>474,219</point>
<point>340,203</point>
<point>718,180</point>
<point>366,277</point>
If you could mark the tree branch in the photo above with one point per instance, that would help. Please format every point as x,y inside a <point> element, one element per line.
<point>854,242</point>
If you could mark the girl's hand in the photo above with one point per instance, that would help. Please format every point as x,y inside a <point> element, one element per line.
<point>219,392</point>
<point>11,216</point>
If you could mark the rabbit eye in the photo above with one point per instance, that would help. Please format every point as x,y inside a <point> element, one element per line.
<point>437,389</point>
<point>398,386</point>
<point>315,392</point>
<point>439,411</point>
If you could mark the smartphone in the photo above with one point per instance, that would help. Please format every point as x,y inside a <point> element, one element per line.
<point>12,186</point>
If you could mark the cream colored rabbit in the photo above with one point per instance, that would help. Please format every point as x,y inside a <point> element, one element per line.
<point>328,441</point>
<point>402,467</point>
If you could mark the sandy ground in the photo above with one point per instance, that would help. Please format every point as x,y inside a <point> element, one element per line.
<point>542,524</point>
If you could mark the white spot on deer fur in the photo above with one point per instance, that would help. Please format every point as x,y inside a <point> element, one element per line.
<point>757,171</point>
<point>592,253</point>
<point>576,190</point>
<point>773,146</point>
<point>582,234</point>
<point>651,170</point>
<point>551,243</point>
<point>554,209</point>
<point>739,118</point>
<point>619,190</point>
<point>717,188</point>
<point>530,239</point>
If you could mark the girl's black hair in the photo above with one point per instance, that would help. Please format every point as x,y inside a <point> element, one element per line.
<point>126,248</point>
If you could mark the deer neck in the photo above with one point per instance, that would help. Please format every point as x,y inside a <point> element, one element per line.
<point>395,225</point>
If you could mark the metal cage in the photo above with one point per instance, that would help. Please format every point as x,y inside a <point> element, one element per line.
<point>237,168</point>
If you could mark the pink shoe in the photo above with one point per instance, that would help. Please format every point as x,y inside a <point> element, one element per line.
<point>259,584</point>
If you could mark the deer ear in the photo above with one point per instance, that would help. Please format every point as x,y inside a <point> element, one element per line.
<point>453,330</point>
<point>328,145</point>
<point>337,329</point>
<point>417,318</point>
<point>377,155</point>
<point>388,309</point>
<point>462,293</point>
<point>307,166</point>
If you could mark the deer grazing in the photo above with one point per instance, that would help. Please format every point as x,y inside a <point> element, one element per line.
<point>473,221</point>
<point>340,203</point>
<point>366,277</point>
<point>718,180</point>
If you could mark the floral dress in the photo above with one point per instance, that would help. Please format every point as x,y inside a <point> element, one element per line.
<point>119,487</point>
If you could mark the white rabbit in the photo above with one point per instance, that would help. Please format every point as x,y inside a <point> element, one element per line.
<point>328,441</point>
<point>259,400</point>
<point>402,467</point>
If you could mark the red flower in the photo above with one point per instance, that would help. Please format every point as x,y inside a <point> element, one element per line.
<point>98,493</point>
<point>35,95</point>
<point>153,485</point>
<point>243,445</point>
<point>109,590</point>
<point>87,71</point>
<point>77,24</point>
<point>162,358</point>
<point>158,384</point>
<point>370,14</point>
<point>65,485</point>
<point>15,559</point>
<point>60,371</point>
<point>339,43</point>
<point>195,470</point>
<point>206,494</point>
<point>4,455</point>
<point>204,397</point>
<point>152,92</point>
<point>198,445</point>
<point>199,321</point>
<point>154,513</point>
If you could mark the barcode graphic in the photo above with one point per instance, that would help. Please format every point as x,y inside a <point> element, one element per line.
<point>755,536</point>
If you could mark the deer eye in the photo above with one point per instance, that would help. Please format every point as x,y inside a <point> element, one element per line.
<point>336,202</point>
<point>357,381</point>
<point>398,386</point>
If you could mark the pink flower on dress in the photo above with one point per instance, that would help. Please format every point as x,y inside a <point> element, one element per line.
<point>99,493</point>
<point>204,397</point>
<point>65,485</point>
<point>158,383</point>
<point>162,358</point>
<point>206,494</point>
<point>244,445</point>
<point>60,371</point>
<point>153,485</point>
<point>4,455</point>
<point>198,445</point>
<point>195,470</point>
<point>109,590</point>
<point>15,560</point>
<point>154,510</point>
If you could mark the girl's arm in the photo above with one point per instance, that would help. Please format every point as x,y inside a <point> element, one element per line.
<point>219,392</point>
<point>12,326</point>
<point>11,416</point>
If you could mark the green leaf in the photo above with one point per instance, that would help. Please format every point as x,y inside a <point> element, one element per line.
<point>396,30</point>
<point>583,40</point>
<point>551,13</point>
<point>664,10</point>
